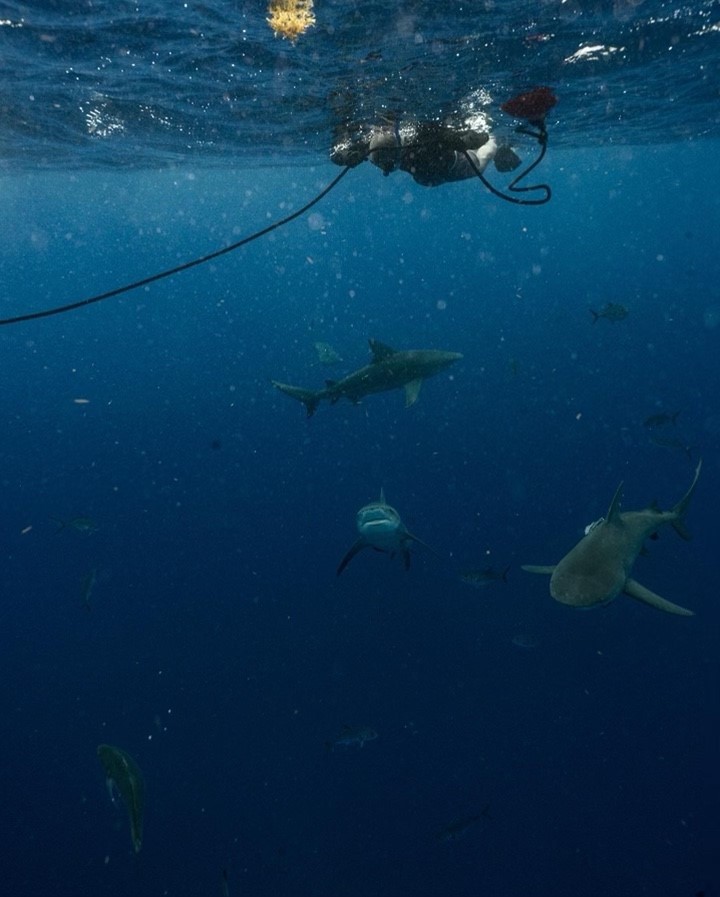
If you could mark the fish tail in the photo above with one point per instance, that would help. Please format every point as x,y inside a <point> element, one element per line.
<point>680,509</point>
<point>308,397</point>
<point>595,316</point>
<point>505,573</point>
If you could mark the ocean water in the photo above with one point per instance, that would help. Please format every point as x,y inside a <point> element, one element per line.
<point>523,747</point>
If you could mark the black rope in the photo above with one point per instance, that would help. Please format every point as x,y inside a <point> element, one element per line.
<point>541,137</point>
<point>60,309</point>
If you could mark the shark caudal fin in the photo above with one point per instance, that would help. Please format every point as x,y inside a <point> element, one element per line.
<point>308,397</point>
<point>680,509</point>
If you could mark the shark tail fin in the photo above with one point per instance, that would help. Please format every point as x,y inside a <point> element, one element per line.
<point>308,397</point>
<point>595,316</point>
<point>680,509</point>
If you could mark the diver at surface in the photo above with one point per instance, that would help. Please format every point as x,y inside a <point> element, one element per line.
<point>433,153</point>
<point>436,152</point>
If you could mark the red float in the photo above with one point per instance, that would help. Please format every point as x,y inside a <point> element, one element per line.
<point>533,105</point>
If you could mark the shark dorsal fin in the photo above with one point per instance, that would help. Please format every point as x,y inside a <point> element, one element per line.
<point>380,351</point>
<point>613,514</point>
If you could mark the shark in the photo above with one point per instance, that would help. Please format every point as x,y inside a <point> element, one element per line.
<point>388,369</point>
<point>380,527</point>
<point>598,568</point>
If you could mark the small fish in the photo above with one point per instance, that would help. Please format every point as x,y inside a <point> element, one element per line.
<point>663,419</point>
<point>483,576</point>
<point>352,737</point>
<point>87,584</point>
<point>326,354</point>
<point>458,827</point>
<point>84,525</point>
<point>525,641</point>
<point>613,311</point>
<point>124,777</point>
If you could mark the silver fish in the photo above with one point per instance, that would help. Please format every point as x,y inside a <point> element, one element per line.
<point>352,737</point>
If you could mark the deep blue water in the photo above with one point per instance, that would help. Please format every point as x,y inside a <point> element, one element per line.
<point>221,650</point>
<point>218,647</point>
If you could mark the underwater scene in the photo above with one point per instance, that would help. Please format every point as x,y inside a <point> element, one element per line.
<point>361,438</point>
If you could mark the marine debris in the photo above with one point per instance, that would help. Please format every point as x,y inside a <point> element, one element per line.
<point>290,18</point>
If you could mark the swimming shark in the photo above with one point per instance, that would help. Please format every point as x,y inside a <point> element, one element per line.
<point>389,369</point>
<point>598,568</point>
<point>381,528</point>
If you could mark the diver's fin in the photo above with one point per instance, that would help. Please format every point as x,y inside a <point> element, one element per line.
<point>635,590</point>
<point>538,568</point>
<point>506,159</point>
<point>412,391</point>
<point>358,546</point>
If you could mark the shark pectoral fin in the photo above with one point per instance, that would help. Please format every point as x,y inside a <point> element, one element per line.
<point>412,391</point>
<point>358,546</point>
<point>635,590</point>
<point>424,545</point>
<point>536,568</point>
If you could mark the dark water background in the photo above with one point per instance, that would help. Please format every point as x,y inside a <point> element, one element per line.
<point>220,649</point>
